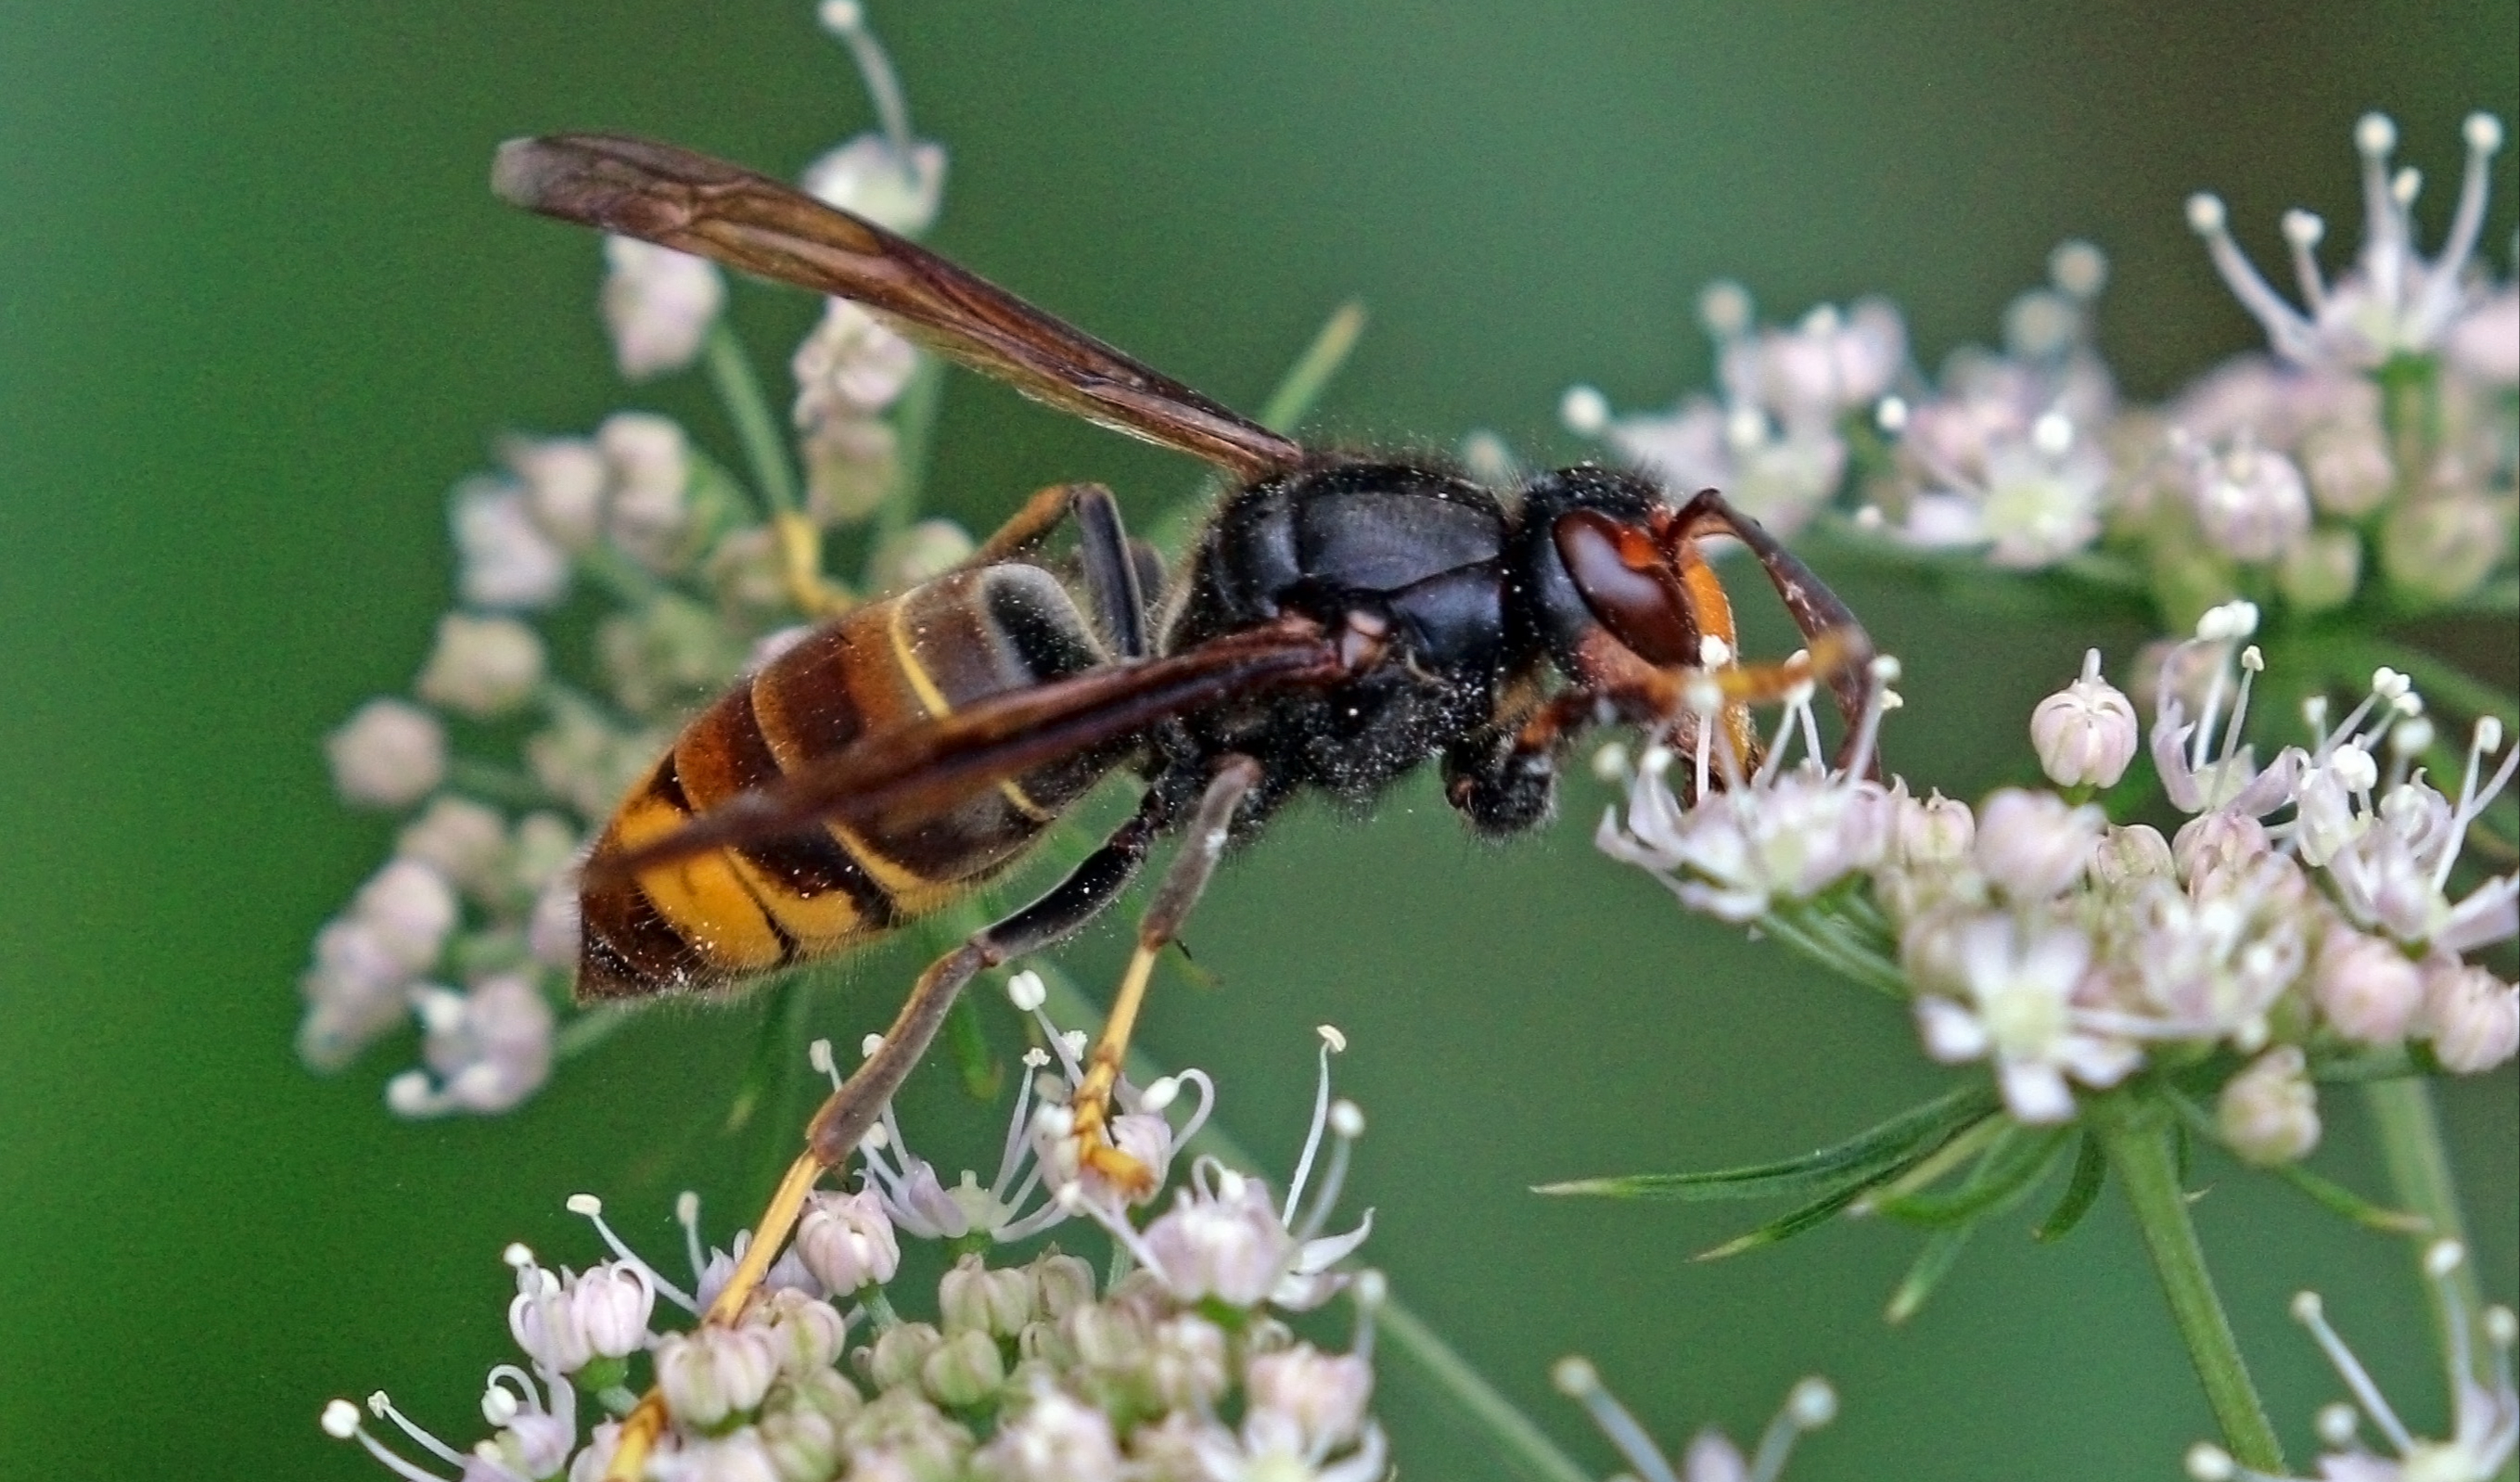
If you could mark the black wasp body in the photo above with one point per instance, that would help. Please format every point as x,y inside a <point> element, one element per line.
<point>1340,621</point>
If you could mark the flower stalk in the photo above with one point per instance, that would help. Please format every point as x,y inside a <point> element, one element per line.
<point>2420,1176</point>
<point>2134,1136</point>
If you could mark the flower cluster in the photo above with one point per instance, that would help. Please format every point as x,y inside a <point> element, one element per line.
<point>2305,908</point>
<point>2484,1409</point>
<point>684,577</point>
<point>1175,1367</point>
<point>2378,440</point>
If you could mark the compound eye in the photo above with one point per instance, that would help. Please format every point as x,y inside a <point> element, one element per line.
<point>1625,581</point>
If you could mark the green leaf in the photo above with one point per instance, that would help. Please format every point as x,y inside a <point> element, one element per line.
<point>2082,1192</point>
<point>2012,1165</point>
<point>1900,1141</point>
<point>1933,1263</point>
<point>1787,1226</point>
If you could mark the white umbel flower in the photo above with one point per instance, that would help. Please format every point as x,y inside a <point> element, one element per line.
<point>2085,732</point>
<point>2021,981</point>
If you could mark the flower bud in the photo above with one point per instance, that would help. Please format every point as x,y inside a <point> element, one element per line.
<point>2474,1017</point>
<point>543,1321</point>
<point>2085,732</point>
<point>2485,342</point>
<point>925,549</point>
<point>613,1302</point>
<point>826,1391</point>
<point>503,558</point>
<point>847,1241</point>
<point>735,1457</point>
<point>2348,467</point>
<point>2366,987</point>
<point>2130,854</point>
<point>411,909</point>
<point>2441,546</point>
<point>963,1370</point>
<point>564,479</point>
<point>657,305</point>
<point>851,367</point>
<point>2251,503</point>
<point>1060,1283</point>
<point>2213,848</point>
<point>713,1373</point>
<point>801,1442</point>
<point>2321,570</point>
<point>389,754</point>
<point>972,1297</point>
<point>2033,846</point>
<point>1056,1439</point>
<point>462,840</point>
<point>1935,830</point>
<point>808,1331</point>
<point>481,667</point>
<point>898,1353</point>
<point>2268,1113</point>
<point>1186,1363</point>
<point>649,513</point>
<point>850,466</point>
<point>1106,1335</point>
<point>1324,1394</point>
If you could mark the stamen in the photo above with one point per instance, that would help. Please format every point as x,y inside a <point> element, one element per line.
<point>2253,662</point>
<point>342,1423</point>
<point>592,1208</point>
<point>687,1214</point>
<point>2053,434</point>
<point>2337,1424</point>
<point>1585,410</point>
<point>2473,801</point>
<point>869,1046</point>
<point>1313,1135</point>
<point>2384,226</point>
<point>818,1055</point>
<point>1371,1290</point>
<point>2302,231</point>
<point>1011,1155</point>
<point>2441,1261</point>
<point>1890,414</point>
<point>1811,1405</point>
<point>1724,308</point>
<point>846,20</point>
<point>2311,1313</point>
<point>1578,1380</point>
<point>2286,329</point>
<point>382,1406</point>
<point>341,1420</point>
<point>1027,991</point>
<point>1346,1124</point>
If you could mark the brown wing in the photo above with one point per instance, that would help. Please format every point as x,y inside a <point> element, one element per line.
<point>901,773</point>
<point>698,204</point>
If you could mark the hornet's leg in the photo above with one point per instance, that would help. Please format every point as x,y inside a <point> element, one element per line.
<point>854,1108</point>
<point>1841,650</point>
<point>1201,845</point>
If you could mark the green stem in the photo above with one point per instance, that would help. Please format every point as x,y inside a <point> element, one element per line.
<point>1529,1448</point>
<point>914,430</point>
<point>738,390</point>
<point>2418,1164</point>
<point>1534,1452</point>
<point>1312,371</point>
<point>2135,1133</point>
<point>1811,934</point>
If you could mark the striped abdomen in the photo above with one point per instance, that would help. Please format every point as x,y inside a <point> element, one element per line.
<point>733,913</point>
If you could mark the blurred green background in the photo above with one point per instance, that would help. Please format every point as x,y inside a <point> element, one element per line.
<point>258,311</point>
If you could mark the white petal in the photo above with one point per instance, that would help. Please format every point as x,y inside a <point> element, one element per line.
<point>1951,1033</point>
<point>2035,1092</point>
